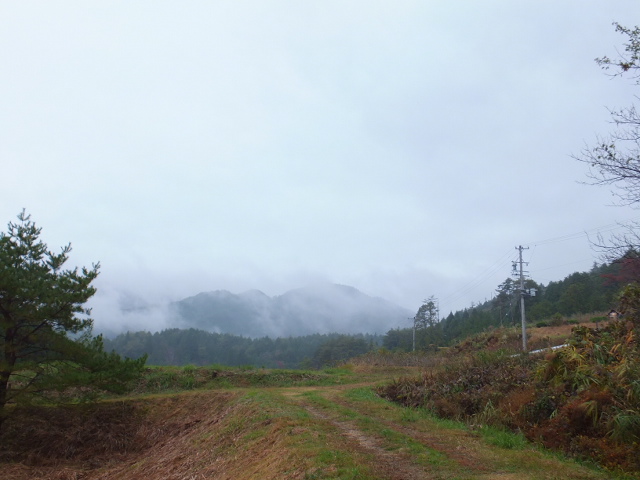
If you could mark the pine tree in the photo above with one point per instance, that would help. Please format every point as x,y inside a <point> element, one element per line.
<point>45,329</point>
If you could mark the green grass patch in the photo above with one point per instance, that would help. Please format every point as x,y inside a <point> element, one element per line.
<point>411,415</point>
<point>315,441</point>
<point>175,379</point>
<point>364,394</point>
<point>390,439</point>
<point>339,371</point>
<point>503,438</point>
<point>339,465</point>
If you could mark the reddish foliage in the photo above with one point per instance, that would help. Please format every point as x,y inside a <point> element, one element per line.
<point>628,270</point>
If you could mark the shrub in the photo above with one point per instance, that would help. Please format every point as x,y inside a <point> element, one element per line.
<point>557,320</point>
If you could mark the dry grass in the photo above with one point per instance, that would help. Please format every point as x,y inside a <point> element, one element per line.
<point>197,435</point>
<point>557,335</point>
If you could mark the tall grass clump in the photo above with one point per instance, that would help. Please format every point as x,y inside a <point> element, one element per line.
<point>583,399</point>
<point>468,388</point>
<point>588,396</point>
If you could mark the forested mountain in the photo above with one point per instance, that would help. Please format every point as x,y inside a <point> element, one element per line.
<point>197,347</point>
<point>322,308</point>
<point>306,327</point>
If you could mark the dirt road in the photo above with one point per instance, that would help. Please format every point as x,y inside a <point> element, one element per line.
<point>336,431</point>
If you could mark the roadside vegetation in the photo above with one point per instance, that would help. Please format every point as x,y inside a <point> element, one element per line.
<point>582,399</point>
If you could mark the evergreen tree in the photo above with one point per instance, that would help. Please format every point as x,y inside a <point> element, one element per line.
<point>428,332</point>
<point>398,340</point>
<point>505,300</point>
<point>427,315</point>
<point>45,329</point>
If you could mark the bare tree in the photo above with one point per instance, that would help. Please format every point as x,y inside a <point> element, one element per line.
<point>615,159</point>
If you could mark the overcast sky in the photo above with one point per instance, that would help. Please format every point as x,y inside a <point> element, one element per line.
<point>401,147</point>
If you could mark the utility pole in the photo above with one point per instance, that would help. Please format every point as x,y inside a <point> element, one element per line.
<point>414,334</point>
<point>522,293</point>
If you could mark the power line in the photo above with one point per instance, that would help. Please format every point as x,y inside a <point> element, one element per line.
<point>561,265</point>
<point>575,236</point>
<point>585,233</point>
<point>496,266</point>
<point>500,264</point>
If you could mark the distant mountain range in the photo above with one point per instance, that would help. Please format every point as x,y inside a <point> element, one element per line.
<point>323,308</point>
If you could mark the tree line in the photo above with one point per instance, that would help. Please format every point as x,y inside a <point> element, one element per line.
<point>592,292</point>
<point>197,347</point>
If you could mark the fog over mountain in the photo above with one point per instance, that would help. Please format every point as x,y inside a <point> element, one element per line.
<point>260,143</point>
<point>321,308</point>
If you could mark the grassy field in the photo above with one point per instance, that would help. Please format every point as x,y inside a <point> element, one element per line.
<point>205,423</point>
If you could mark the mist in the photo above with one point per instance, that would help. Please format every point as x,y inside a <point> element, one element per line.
<point>403,149</point>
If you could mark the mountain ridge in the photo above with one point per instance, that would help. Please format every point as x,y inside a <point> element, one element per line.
<point>318,308</point>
